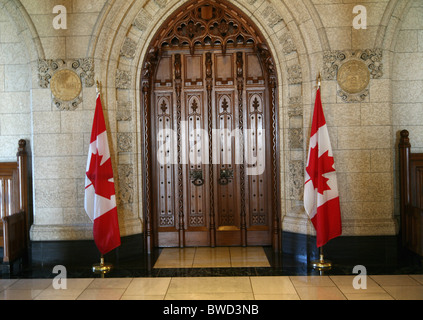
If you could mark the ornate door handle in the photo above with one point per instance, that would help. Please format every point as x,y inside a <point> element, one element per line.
<point>225,175</point>
<point>196,177</point>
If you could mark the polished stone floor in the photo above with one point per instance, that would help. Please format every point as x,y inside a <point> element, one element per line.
<point>204,274</point>
<point>382,287</point>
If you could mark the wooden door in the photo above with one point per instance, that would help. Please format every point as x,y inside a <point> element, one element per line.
<point>210,132</point>
<point>210,114</point>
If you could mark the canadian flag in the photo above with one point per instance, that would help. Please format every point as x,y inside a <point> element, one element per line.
<point>321,198</point>
<point>100,196</point>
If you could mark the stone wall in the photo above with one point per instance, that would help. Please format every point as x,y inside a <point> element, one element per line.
<point>15,84</point>
<point>107,40</point>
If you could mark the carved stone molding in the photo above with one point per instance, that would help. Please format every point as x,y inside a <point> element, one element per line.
<point>125,142</point>
<point>295,75</point>
<point>126,183</point>
<point>271,16</point>
<point>142,20</point>
<point>295,111</point>
<point>124,111</point>
<point>353,97</point>
<point>295,131</point>
<point>123,79</point>
<point>333,61</point>
<point>296,179</point>
<point>295,138</point>
<point>129,48</point>
<point>287,43</point>
<point>161,3</point>
<point>83,68</point>
<point>295,100</point>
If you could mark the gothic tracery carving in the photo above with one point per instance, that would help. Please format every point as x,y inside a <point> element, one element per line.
<point>208,25</point>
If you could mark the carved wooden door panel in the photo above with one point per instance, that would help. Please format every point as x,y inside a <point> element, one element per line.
<point>212,179</point>
<point>210,131</point>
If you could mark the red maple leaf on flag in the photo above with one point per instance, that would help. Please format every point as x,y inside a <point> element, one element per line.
<point>100,175</point>
<point>318,167</point>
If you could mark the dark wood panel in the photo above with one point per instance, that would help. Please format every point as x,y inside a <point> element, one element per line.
<point>227,238</point>
<point>165,239</point>
<point>259,238</point>
<point>14,207</point>
<point>197,238</point>
<point>411,195</point>
<point>416,179</point>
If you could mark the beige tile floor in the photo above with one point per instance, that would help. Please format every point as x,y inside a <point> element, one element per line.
<point>379,287</point>
<point>389,287</point>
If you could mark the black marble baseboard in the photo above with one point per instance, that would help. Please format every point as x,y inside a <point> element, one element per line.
<point>380,255</point>
<point>345,248</point>
<point>74,253</point>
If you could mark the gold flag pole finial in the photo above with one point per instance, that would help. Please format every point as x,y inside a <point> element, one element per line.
<point>319,81</point>
<point>97,86</point>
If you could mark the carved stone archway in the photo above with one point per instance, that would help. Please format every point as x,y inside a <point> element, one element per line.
<point>206,25</point>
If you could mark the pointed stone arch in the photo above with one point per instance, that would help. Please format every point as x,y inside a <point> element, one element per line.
<point>25,27</point>
<point>120,44</point>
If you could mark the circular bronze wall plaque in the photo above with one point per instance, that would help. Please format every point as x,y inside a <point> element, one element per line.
<point>353,76</point>
<point>66,85</point>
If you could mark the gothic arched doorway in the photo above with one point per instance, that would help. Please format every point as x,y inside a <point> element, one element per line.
<point>210,130</point>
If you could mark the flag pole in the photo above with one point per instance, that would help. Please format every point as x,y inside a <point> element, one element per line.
<point>319,81</point>
<point>321,264</point>
<point>102,268</point>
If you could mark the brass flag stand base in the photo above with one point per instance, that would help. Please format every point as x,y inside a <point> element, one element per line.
<point>102,268</point>
<point>321,264</point>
